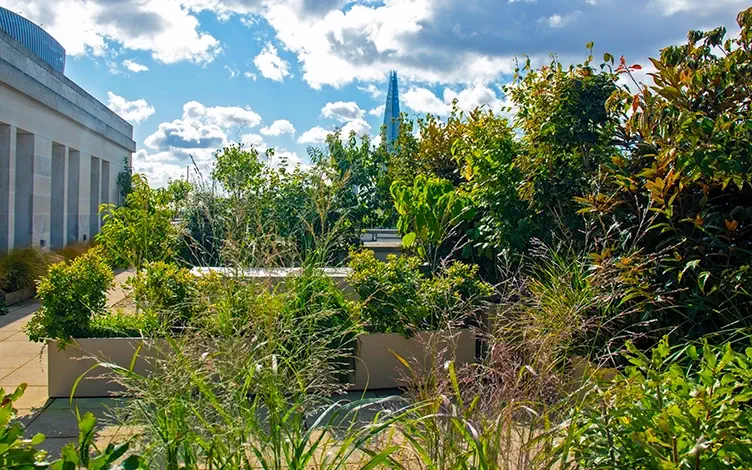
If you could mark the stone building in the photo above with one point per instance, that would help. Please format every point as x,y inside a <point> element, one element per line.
<point>60,148</point>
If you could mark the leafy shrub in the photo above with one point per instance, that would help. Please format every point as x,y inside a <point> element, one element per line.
<point>680,189</point>
<point>118,323</point>
<point>15,451</point>
<point>139,231</point>
<point>396,297</point>
<point>21,268</point>
<point>70,295</point>
<point>431,211</point>
<point>167,290</point>
<point>674,409</point>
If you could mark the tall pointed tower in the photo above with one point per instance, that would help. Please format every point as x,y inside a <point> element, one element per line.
<point>392,111</point>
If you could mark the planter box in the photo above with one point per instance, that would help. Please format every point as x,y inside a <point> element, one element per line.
<point>16,297</point>
<point>65,366</point>
<point>376,366</point>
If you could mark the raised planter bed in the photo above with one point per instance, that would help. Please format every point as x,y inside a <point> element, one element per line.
<point>16,297</point>
<point>376,367</point>
<point>65,366</point>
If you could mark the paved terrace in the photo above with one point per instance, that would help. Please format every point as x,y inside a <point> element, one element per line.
<point>22,361</point>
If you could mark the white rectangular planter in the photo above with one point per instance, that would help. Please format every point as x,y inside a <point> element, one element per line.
<point>65,366</point>
<point>376,366</point>
<point>18,296</point>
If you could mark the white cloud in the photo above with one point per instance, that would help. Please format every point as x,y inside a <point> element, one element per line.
<point>135,67</point>
<point>279,127</point>
<point>164,28</point>
<point>271,65</point>
<point>423,100</point>
<point>250,75</point>
<point>342,111</point>
<point>559,21</point>
<point>222,116</point>
<point>700,7</point>
<point>377,111</point>
<point>373,91</point>
<point>254,140</point>
<point>358,126</point>
<point>202,127</point>
<point>233,71</point>
<point>287,159</point>
<point>134,112</point>
<point>314,135</point>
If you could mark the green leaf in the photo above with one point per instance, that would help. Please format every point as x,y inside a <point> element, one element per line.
<point>409,239</point>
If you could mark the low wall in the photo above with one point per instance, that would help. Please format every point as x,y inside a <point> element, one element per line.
<point>376,366</point>
<point>16,297</point>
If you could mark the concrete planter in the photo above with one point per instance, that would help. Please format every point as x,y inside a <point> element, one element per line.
<point>16,297</point>
<point>375,367</point>
<point>65,366</point>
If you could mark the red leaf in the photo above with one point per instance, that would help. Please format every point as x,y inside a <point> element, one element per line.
<point>637,67</point>
<point>623,61</point>
<point>635,102</point>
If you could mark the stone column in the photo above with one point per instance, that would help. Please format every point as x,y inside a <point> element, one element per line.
<point>58,218</point>
<point>7,185</point>
<point>73,189</point>
<point>94,183</point>
<point>84,194</point>
<point>24,189</point>
<point>42,197</point>
<point>105,182</point>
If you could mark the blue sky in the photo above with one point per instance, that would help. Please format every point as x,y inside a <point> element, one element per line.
<point>194,75</point>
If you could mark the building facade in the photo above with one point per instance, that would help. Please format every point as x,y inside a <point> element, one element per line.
<point>60,148</point>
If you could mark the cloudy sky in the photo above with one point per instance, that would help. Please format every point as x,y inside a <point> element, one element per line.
<point>193,75</point>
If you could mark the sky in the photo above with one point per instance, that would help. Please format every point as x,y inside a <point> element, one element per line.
<point>195,75</point>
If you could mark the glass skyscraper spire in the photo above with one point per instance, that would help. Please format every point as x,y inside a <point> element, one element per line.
<point>392,111</point>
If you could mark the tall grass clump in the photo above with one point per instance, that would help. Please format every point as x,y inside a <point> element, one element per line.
<point>20,268</point>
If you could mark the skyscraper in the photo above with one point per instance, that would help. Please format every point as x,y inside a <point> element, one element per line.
<point>392,111</point>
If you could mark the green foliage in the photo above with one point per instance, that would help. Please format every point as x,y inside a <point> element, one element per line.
<point>139,231</point>
<point>567,133</point>
<point>239,170</point>
<point>15,451</point>
<point>672,409</point>
<point>396,297</point>
<point>680,189</point>
<point>118,323</point>
<point>70,295</point>
<point>21,268</point>
<point>124,181</point>
<point>167,290</point>
<point>431,212</point>
<point>388,291</point>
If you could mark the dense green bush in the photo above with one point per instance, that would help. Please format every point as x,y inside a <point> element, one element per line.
<point>397,297</point>
<point>677,199</point>
<point>70,295</point>
<point>169,291</point>
<point>680,408</point>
